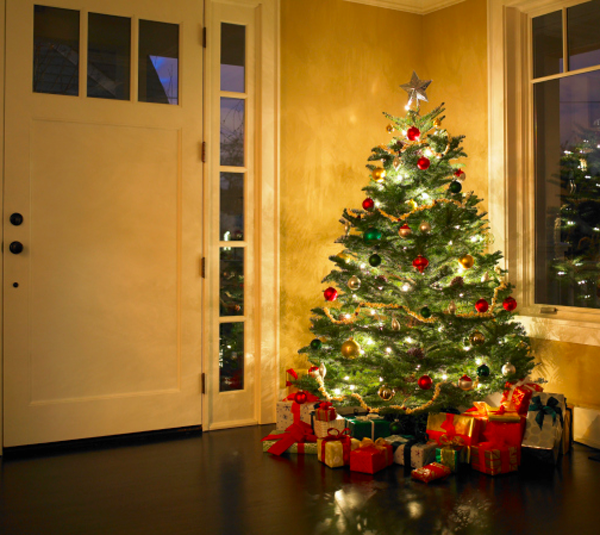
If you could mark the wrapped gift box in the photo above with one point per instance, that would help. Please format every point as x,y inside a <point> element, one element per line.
<point>371,457</point>
<point>334,450</point>
<point>431,472</point>
<point>517,396</point>
<point>369,426</point>
<point>544,426</point>
<point>453,456</point>
<point>492,459</point>
<point>285,415</point>
<point>321,428</point>
<point>410,452</point>
<point>309,448</point>
<point>324,411</point>
<point>508,434</point>
<point>282,441</point>
<point>444,427</point>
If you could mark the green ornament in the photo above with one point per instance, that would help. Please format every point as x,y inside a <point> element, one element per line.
<point>371,235</point>
<point>396,428</point>
<point>374,260</point>
<point>316,344</point>
<point>455,186</point>
<point>425,312</point>
<point>483,371</point>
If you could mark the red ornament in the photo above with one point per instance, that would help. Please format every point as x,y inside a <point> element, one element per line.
<point>413,133</point>
<point>300,397</point>
<point>482,306</point>
<point>423,163</point>
<point>459,174</point>
<point>330,294</point>
<point>313,371</point>
<point>368,204</point>
<point>425,382</point>
<point>420,263</point>
<point>510,303</point>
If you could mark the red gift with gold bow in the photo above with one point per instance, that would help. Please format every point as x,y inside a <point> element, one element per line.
<point>371,457</point>
<point>517,396</point>
<point>495,457</point>
<point>451,426</point>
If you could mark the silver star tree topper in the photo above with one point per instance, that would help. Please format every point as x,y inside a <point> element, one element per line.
<point>416,89</point>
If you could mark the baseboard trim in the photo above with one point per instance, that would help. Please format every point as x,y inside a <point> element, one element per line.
<point>95,443</point>
<point>230,425</point>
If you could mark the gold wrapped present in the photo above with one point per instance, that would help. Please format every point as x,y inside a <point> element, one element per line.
<point>334,449</point>
<point>444,428</point>
<point>493,459</point>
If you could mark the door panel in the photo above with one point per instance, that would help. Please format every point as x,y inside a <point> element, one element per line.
<point>103,306</point>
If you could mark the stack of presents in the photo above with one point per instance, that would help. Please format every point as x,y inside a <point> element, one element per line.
<point>489,439</point>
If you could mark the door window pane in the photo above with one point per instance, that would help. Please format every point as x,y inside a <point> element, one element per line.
<point>231,356</point>
<point>547,45</point>
<point>231,288</point>
<point>232,206</point>
<point>109,50</point>
<point>232,131</point>
<point>233,57</point>
<point>583,36</point>
<point>55,51</point>
<point>567,191</point>
<point>158,62</point>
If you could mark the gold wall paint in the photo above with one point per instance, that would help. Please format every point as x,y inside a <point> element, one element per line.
<point>341,67</point>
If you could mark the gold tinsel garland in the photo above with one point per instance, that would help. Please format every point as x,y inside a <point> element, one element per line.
<point>418,209</point>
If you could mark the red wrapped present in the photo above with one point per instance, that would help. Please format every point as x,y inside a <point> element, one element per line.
<point>371,457</point>
<point>485,412</point>
<point>325,412</point>
<point>517,396</point>
<point>508,433</point>
<point>431,472</point>
<point>492,458</point>
<point>452,427</point>
<point>295,433</point>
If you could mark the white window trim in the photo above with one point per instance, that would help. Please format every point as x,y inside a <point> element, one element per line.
<point>510,164</point>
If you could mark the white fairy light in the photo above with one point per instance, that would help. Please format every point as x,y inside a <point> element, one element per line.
<point>478,362</point>
<point>444,377</point>
<point>348,316</point>
<point>347,378</point>
<point>409,340</point>
<point>467,348</point>
<point>405,287</point>
<point>388,350</point>
<point>450,242</point>
<point>337,391</point>
<point>363,266</point>
<point>352,387</point>
<point>381,379</point>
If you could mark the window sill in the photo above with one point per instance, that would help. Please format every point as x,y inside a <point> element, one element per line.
<point>564,326</point>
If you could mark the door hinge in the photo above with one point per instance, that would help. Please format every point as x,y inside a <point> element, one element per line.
<point>203,155</point>
<point>204,37</point>
<point>203,383</point>
<point>203,267</point>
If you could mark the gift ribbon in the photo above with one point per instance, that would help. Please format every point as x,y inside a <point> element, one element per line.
<point>504,456</point>
<point>369,418</point>
<point>335,435</point>
<point>328,411</point>
<point>293,373</point>
<point>297,432</point>
<point>552,408</point>
<point>310,398</point>
<point>525,387</point>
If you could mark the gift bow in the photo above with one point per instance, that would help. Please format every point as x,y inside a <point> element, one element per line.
<point>524,385</point>
<point>324,405</point>
<point>552,408</point>
<point>297,432</point>
<point>293,373</point>
<point>380,445</point>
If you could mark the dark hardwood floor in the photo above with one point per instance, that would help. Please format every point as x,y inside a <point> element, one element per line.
<point>222,483</point>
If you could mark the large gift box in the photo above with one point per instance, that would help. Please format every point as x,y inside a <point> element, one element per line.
<point>371,457</point>
<point>517,396</point>
<point>485,412</point>
<point>282,441</point>
<point>431,472</point>
<point>321,428</point>
<point>491,458</point>
<point>457,429</point>
<point>288,412</point>
<point>410,452</point>
<point>297,447</point>
<point>334,449</point>
<point>369,426</point>
<point>544,426</point>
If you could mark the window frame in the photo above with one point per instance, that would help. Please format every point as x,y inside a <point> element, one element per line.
<point>511,168</point>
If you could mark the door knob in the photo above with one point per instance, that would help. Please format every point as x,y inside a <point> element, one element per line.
<point>16,219</point>
<point>16,247</point>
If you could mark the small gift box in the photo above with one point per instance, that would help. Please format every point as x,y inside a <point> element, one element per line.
<point>334,449</point>
<point>282,441</point>
<point>431,472</point>
<point>517,396</point>
<point>452,455</point>
<point>544,426</point>
<point>371,457</point>
<point>453,426</point>
<point>309,448</point>
<point>289,412</point>
<point>321,428</point>
<point>324,412</point>
<point>413,453</point>
<point>492,458</point>
<point>369,426</point>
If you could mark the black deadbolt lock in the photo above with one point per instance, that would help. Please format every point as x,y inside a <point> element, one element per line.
<point>16,247</point>
<point>16,219</point>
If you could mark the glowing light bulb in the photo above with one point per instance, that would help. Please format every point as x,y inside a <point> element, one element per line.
<point>409,340</point>
<point>388,350</point>
<point>347,378</point>
<point>444,377</point>
<point>467,348</point>
<point>352,387</point>
<point>337,391</point>
<point>479,362</point>
<point>405,287</point>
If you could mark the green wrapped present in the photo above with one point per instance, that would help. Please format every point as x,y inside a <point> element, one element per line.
<point>369,426</point>
<point>453,456</point>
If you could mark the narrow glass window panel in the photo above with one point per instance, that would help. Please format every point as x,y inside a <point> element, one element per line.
<point>233,57</point>
<point>55,51</point>
<point>547,45</point>
<point>231,287</point>
<point>158,62</point>
<point>583,35</point>
<point>232,131</point>
<point>232,206</point>
<point>231,356</point>
<point>109,52</point>
<point>567,191</point>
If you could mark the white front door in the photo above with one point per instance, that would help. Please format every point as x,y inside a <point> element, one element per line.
<point>103,218</point>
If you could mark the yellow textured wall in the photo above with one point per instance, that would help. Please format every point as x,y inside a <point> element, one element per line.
<point>341,67</point>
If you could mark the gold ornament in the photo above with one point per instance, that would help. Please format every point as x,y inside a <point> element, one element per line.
<point>477,338</point>
<point>508,369</point>
<point>452,307</point>
<point>390,128</point>
<point>412,203</point>
<point>343,256</point>
<point>350,349</point>
<point>386,393</point>
<point>437,123</point>
<point>378,174</point>
<point>405,231</point>
<point>465,383</point>
<point>498,270</point>
<point>354,282</point>
<point>395,324</point>
<point>425,227</point>
<point>466,261</point>
<point>485,277</point>
<point>396,163</point>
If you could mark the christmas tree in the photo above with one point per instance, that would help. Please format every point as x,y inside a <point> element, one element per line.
<point>418,314</point>
<point>575,267</point>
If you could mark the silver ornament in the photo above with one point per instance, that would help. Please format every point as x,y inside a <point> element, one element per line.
<point>354,282</point>
<point>322,370</point>
<point>485,277</point>
<point>508,369</point>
